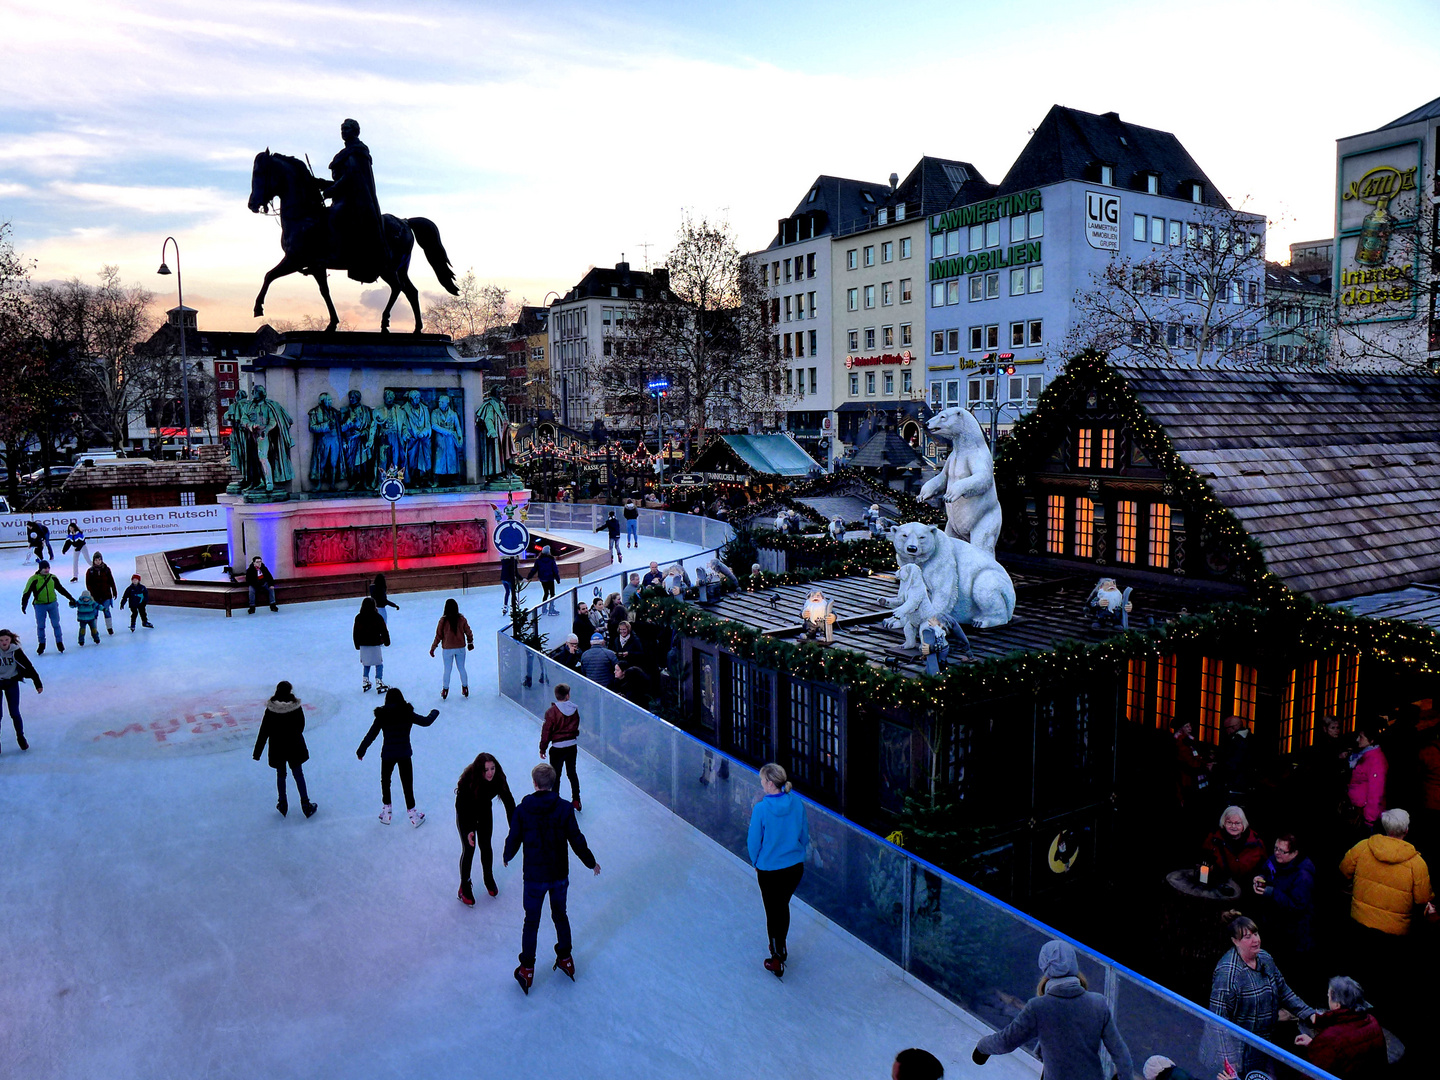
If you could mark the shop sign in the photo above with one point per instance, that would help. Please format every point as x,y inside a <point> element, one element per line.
<point>903,359</point>
<point>724,477</point>
<point>990,210</point>
<point>981,261</point>
<point>1378,206</point>
<point>1102,220</point>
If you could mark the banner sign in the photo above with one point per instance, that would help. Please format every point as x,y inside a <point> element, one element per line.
<point>110,524</point>
<point>1102,220</point>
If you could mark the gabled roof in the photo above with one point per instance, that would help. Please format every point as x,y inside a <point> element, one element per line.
<point>886,448</point>
<point>1337,476</point>
<point>936,184</point>
<point>838,204</point>
<point>1282,277</point>
<point>1429,111</point>
<point>773,455</point>
<point>1069,143</point>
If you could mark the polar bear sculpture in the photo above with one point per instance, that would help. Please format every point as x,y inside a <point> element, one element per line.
<point>959,577</point>
<point>967,480</point>
<point>913,607</point>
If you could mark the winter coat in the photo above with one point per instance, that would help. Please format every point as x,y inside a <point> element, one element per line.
<point>610,525</point>
<point>1236,859</point>
<point>136,596</point>
<point>561,727</point>
<point>582,628</point>
<point>544,823</point>
<point>14,664</point>
<point>635,686</point>
<point>453,639</point>
<point>629,649</point>
<point>381,595</point>
<point>100,583</point>
<point>1071,1023</point>
<point>597,664</point>
<point>283,726</point>
<point>545,568</point>
<point>1390,880</point>
<point>631,512</point>
<point>396,724</point>
<point>1430,776</point>
<point>473,809</point>
<point>1191,774</point>
<point>779,832</point>
<point>1367,783</point>
<point>1348,1044</point>
<point>371,631</point>
<point>73,540</point>
<point>509,567</point>
<point>258,579</point>
<point>1251,998</point>
<point>565,658</point>
<point>43,587</point>
<point>1234,761</point>
<point>652,577</point>
<point>1290,887</point>
<point>86,609</point>
<point>628,594</point>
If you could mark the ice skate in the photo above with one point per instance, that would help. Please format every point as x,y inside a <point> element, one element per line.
<point>59,646</point>
<point>82,641</point>
<point>132,627</point>
<point>525,976</point>
<point>40,649</point>
<point>466,895</point>
<point>309,808</point>
<point>575,802</point>
<point>490,886</point>
<point>565,964</point>
<point>464,691</point>
<point>274,607</point>
<point>417,818</point>
<point>776,966</point>
<point>444,692</point>
<point>147,625</point>
<point>20,742</point>
<point>251,611</point>
<point>364,686</point>
<point>283,807</point>
<point>380,687</point>
<point>385,814</point>
<point>110,630</point>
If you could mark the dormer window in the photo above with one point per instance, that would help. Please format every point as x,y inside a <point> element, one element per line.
<point>867,196</point>
<point>1107,175</point>
<point>1197,191</point>
<point>882,216</point>
<point>900,212</point>
<point>1152,183</point>
<point>813,193</point>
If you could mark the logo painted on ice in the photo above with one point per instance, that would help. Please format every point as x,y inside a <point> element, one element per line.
<point>192,728</point>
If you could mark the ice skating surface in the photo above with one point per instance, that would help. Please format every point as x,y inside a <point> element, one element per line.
<point>161,919</point>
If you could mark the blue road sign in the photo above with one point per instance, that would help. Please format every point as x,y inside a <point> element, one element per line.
<point>656,386</point>
<point>392,489</point>
<point>512,538</point>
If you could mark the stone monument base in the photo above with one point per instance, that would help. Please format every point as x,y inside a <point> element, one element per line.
<point>303,537</point>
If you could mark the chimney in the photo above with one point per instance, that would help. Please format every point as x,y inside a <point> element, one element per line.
<point>1110,116</point>
<point>894,181</point>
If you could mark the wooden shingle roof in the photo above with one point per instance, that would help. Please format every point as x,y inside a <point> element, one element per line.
<point>1337,476</point>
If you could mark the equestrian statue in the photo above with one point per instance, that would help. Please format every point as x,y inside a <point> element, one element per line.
<point>350,234</point>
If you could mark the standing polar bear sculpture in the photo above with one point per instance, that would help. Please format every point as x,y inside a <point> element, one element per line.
<point>967,481</point>
<point>960,578</point>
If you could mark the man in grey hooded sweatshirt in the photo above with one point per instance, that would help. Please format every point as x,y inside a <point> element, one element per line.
<point>1070,1021</point>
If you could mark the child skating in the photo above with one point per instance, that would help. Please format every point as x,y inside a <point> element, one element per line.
<point>101,583</point>
<point>136,596</point>
<point>87,612</point>
<point>395,718</point>
<point>560,734</point>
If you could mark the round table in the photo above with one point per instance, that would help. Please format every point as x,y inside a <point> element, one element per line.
<point>1187,882</point>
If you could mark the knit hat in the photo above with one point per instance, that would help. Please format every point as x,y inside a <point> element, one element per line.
<point>1057,959</point>
<point>597,638</point>
<point>1156,1065</point>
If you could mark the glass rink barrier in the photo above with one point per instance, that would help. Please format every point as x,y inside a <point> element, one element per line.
<point>974,950</point>
<point>702,532</point>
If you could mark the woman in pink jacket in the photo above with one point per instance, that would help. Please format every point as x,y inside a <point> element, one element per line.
<point>1367,775</point>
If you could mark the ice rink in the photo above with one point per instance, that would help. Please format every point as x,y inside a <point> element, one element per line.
<point>161,919</point>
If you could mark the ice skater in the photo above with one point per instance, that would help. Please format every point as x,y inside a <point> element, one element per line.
<point>37,541</point>
<point>779,837</point>
<point>453,635</point>
<point>45,587</point>
<point>75,543</point>
<point>482,782</point>
<point>548,571</point>
<point>632,524</point>
<point>259,580</point>
<point>544,826</point>
<point>371,635</point>
<point>612,529</point>
<point>395,718</point>
<point>137,596</point>
<point>283,726</point>
<point>100,583</point>
<point>14,666</point>
<point>379,591</point>
<point>560,734</point>
<point>87,613</point>
<point>509,570</point>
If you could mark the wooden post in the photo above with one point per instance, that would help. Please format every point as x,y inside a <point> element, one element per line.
<point>394,540</point>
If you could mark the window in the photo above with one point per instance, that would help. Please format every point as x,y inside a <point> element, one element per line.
<point>869,296</point>
<point>1082,448</point>
<point>1055,524</point>
<point>904,247</point>
<point>1157,230</point>
<point>854,384</point>
<point>972,390</point>
<point>775,275</point>
<point>852,340</point>
<point>812,305</point>
<point>992,234</point>
<point>977,288</point>
<point>1140,222</point>
<point>1126,513</point>
<point>1033,386</point>
<point>852,299</point>
<point>1152,183</point>
<point>1175,234</point>
<point>814,342</point>
<point>905,336</point>
<point>1016,389</point>
<point>889,382</point>
<point>992,336</point>
<point>977,237</point>
<point>937,395</point>
<point>787,309</point>
<point>1135,690</point>
<point>1037,223</point>
<point>614,290</point>
<point>800,382</point>
<point>870,382</point>
<point>1211,699</point>
<point>905,292</point>
<point>937,246</point>
<point>852,259</point>
<point>787,270</point>
<point>1037,279</point>
<point>952,391</point>
<point>800,344</point>
<point>1037,332</point>
<point>1160,535</point>
<point>977,338</point>
<point>1197,192</point>
<point>1017,334</point>
<point>1164,691</point>
<point>937,294</point>
<point>814,381</point>
<point>869,338</point>
<point>952,291</point>
<point>952,341</point>
<point>1084,528</point>
<point>952,242</point>
<point>907,382</point>
<point>810,265</point>
<point>1017,281</point>
<point>937,342</point>
<point>1107,175</point>
<point>992,286</point>
<point>119,502</point>
<point>789,381</point>
<point>1107,448</point>
<point>887,337</point>
<point>882,216</point>
<point>887,293</point>
<point>869,254</point>
<point>1017,228</point>
<point>607,316</point>
<point>887,251</point>
<point>788,347</point>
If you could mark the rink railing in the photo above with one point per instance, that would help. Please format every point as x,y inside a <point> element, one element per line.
<point>973,949</point>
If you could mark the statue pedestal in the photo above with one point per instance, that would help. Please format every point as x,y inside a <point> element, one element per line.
<point>303,537</point>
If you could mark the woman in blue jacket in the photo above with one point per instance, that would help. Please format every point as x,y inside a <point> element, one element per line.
<point>779,836</point>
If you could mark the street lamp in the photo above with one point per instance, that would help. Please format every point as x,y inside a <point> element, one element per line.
<point>184,360</point>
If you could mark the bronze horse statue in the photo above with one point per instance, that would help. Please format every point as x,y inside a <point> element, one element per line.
<point>310,248</point>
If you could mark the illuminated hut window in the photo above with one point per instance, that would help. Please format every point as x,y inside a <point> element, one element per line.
<point>1055,524</point>
<point>1084,528</point>
<point>1212,700</point>
<point>1135,691</point>
<point>1243,698</point>
<point>1126,514</point>
<point>1107,448</point>
<point>1160,535</point>
<point>1164,691</point>
<point>1082,449</point>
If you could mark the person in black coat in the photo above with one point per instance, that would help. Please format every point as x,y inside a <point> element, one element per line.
<point>395,718</point>
<point>548,571</point>
<point>568,654</point>
<point>612,530</point>
<point>544,824</point>
<point>371,635</point>
<point>482,782</point>
<point>258,579</point>
<point>283,727</point>
<point>632,684</point>
<point>379,591</point>
<point>628,647</point>
<point>509,571</point>
<point>582,627</point>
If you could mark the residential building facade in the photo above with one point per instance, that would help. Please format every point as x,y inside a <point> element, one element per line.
<point>1297,309</point>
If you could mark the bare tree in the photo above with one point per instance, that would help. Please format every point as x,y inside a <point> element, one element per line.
<point>475,309</point>
<point>310,322</point>
<point>1196,299</point>
<point>706,334</point>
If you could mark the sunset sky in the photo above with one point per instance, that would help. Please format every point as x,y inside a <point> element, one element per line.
<point>543,137</point>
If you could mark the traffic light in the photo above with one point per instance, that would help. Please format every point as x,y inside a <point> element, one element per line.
<point>1010,369</point>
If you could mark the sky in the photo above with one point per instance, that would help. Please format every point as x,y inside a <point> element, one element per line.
<point>544,137</point>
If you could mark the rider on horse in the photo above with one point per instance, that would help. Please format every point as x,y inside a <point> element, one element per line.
<point>355,225</point>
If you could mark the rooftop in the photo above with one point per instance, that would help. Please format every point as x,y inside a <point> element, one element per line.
<point>772,455</point>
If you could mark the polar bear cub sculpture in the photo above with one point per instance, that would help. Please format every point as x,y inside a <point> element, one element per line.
<point>913,606</point>
<point>960,578</point>
<point>967,480</point>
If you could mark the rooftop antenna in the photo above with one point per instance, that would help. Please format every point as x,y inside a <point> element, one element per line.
<point>645,246</point>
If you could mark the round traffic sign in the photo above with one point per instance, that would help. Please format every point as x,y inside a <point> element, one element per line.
<point>392,489</point>
<point>512,538</point>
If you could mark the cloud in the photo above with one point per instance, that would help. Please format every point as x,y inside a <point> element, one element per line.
<point>375,299</point>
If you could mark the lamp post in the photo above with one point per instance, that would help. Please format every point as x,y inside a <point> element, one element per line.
<point>184,360</point>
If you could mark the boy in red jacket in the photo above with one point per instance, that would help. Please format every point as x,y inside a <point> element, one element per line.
<point>559,734</point>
